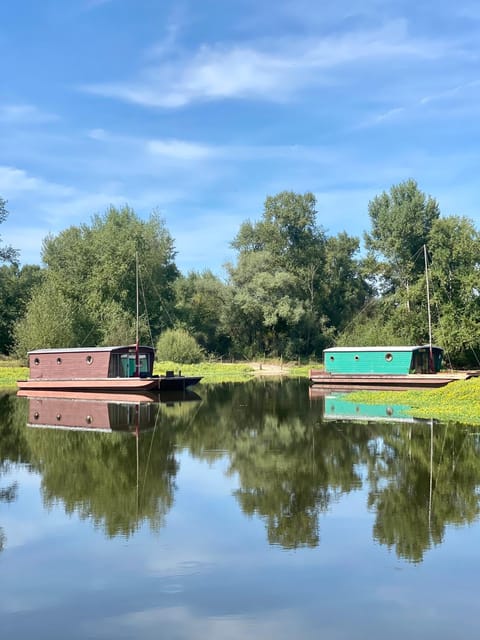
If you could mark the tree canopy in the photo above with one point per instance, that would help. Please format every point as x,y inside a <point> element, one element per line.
<point>291,290</point>
<point>7,253</point>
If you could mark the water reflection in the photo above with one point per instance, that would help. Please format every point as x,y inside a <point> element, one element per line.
<point>293,460</point>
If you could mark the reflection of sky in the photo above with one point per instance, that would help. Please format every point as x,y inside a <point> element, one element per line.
<point>210,573</point>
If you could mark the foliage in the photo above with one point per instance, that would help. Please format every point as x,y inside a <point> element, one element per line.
<point>49,321</point>
<point>201,299</point>
<point>90,278</point>
<point>7,253</point>
<point>401,223</point>
<point>16,288</point>
<point>290,285</point>
<point>458,401</point>
<point>180,346</point>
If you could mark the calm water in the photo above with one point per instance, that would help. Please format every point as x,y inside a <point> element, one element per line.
<point>252,511</point>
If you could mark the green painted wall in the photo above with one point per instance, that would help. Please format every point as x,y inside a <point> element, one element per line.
<point>391,361</point>
<point>342,409</point>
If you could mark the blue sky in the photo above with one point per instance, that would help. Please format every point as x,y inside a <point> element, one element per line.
<point>199,110</point>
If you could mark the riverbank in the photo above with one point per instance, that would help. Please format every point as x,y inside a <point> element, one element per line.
<point>211,372</point>
<point>456,402</point>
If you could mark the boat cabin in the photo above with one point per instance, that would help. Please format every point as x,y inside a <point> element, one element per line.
<point>383,360</point>
<point>84,363</point>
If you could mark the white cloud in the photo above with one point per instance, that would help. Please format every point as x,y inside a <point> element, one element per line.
<point>179,149</point>
<point>16,181</point>
<point>272,72</point>
<point>24,114</point>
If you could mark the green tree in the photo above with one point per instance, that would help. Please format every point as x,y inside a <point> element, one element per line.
<point>49,321</point>
<point>201,301</point>
<point>276,281</point>
<point>401,221</point>
<point>454,246</point>
<point>16,286</point>
<point>7,253</point>
<point>179,346</point>
<point>91,270</point>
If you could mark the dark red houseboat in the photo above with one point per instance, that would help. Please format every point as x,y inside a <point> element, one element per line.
<point>109,369</point>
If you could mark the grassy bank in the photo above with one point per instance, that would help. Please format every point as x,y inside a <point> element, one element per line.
<point>458,401</point>
<point>212,373</point>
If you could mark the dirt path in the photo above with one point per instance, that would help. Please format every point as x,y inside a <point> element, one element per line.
<point>267,369</point>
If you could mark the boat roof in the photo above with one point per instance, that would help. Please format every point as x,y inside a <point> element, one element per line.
<point>390,348</point>
<point>91,349</point>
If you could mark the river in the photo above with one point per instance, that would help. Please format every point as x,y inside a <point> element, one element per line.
<point>246,510</point>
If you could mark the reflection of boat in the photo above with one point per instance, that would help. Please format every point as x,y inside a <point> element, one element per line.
<point>339,408</point>
<point>98,412</point>
<point>106,369</point>
<point>384,367</point>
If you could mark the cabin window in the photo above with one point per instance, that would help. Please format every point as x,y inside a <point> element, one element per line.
<point>89,419</point>
<point>357,357</point>
<point>332,358</point>
<point>36,362</point>
<point>36,415</point>
<point>388,357</point>
<point>59,361</point>
<point>89,359</point>
<point>59,416</point>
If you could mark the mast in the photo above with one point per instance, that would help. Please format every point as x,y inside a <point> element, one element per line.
<point>428,310</point>
<point>137,349</point>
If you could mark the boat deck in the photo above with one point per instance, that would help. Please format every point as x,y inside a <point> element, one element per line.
<point>348,381</point>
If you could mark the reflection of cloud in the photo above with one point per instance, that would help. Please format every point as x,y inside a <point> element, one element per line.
<point>182,622</point>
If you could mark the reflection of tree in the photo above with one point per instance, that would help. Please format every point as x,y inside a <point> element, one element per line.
<point>423,480</point>
<point>291,466</point>
<point>12,449</point>
<point>290,470</point>
<point>7,494</point>
<point>96,475</point>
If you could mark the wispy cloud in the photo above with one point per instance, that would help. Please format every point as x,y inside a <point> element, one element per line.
<point>24,114</point>
<point>450,97</point>
<point>15,181</point>
<point>267,71</point>
<point>179,150</point>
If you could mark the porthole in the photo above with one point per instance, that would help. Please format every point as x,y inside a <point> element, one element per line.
<point>357,357</point>
<point>36,415</point>
<point>59,416</point>
<point>332,358</point>
<point>389,411</point>
<point>59,361</point>
<point>36,362</point>
<point>89,419</point>
<point>388,357</point>
<point>89,359</point>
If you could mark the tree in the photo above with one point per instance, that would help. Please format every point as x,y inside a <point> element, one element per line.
<point>49,321</point>
<point>277,278</point>
<point>201,299</point>
<point>7,253</point>
<point>454,246</point>
<point>16,286</point>
<point>179,346</point>
<point>91,270</point>
<point>401,223</point>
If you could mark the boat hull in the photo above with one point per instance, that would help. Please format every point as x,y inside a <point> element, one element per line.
<point>325,380</point>
<point>111,385</point>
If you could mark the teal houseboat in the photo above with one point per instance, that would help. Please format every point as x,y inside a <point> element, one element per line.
<point>383,360</point>
<point>383,367</point>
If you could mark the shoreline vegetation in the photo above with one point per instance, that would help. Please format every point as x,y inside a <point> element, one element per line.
<point>457,402</point>
<point>11,371</point>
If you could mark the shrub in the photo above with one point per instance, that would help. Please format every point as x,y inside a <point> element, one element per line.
<point>179,346</point>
